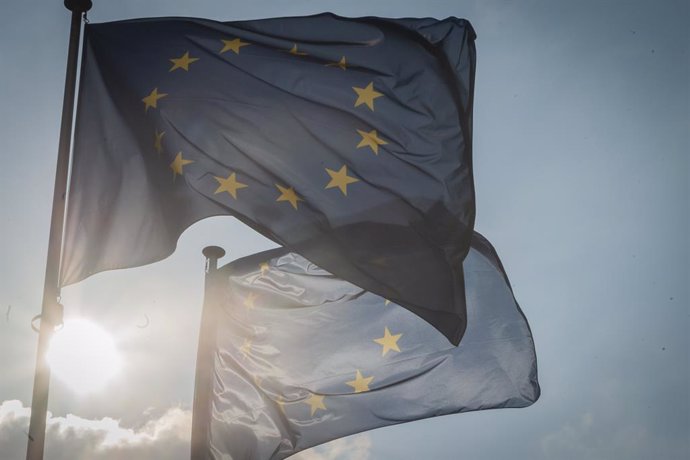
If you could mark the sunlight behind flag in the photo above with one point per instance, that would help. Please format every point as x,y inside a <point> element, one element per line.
<point>83,356</point>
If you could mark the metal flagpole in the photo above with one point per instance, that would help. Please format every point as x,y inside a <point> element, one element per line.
<point>203,382</point>
<point>51,310</point>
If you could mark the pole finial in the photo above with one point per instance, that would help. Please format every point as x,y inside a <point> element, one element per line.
<point>78,6</point>
<point>213,252</point>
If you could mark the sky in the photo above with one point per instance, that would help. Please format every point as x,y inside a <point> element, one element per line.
<point>581,150</point>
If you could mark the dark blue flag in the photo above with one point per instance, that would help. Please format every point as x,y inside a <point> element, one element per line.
<point>303,357</point>
<point>346,140</point>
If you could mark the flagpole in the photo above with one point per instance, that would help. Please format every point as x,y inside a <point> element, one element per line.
<point>51,310</point>
<point>203,382</point>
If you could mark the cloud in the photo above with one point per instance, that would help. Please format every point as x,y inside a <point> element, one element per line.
<point>76,438</point>
<point>351,448</point>
<point>165,437</point>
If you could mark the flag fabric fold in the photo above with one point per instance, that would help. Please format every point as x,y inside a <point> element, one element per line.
<point>303,357</point>
<point>345,140</point>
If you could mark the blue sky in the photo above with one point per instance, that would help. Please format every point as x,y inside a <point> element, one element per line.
<point>581,170</point>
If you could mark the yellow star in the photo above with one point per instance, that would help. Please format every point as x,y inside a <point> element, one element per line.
<point>263,266</point>
<point>246,347</point>
<point>342,63</point>
<point>152,99</point>
<point>182,62</point>
<point>230,185</point>
<point>233,45</point>
<point>366,95</point>
<point>389,342</point>
<point>370,139</point>
<point>386,302</point>
<point>157,143</point>
<point>288,194</point>
<point>380,261</point>
<point>179,163</point>
<point>316,403</point>
<point>294,51</point>
<point>249,300</point>
<point>281,403</point>
<point>340,179</point>
<point>360,384</point>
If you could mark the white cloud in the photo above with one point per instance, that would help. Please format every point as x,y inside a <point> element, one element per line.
<point>166,437</point>
<point>76,438</point>
<point>351,448</point>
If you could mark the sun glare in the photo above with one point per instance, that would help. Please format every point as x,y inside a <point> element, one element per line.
<point>83,356</point>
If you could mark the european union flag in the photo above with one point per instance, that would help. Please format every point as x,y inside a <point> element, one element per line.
<point>303,357</point>
<point>346,140</point>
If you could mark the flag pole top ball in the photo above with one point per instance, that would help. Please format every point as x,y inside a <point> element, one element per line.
<point>213,252</point>
<point>80,6</point>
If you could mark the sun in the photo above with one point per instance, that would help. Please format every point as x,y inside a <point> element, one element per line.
<point>83,356</point>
